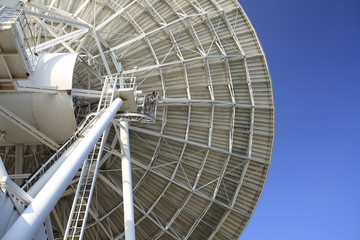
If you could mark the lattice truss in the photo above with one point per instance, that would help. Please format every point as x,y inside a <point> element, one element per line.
<point>199,171</point>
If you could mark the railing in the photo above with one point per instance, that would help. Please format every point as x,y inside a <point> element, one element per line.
<point>16,19</point>
<point>107,93</point>
<point>32,179</point>
<point>150,105</point>
<point>123,82</point>
<point>28,40</point>
<point>127,82</point>
<point>146,109</point>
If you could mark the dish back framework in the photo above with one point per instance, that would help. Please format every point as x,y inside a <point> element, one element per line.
<point>197,97</point>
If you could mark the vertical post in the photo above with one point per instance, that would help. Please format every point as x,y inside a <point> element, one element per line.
<point>3,172</point>
<point>2,134</point>
<point>129,221</point>
<point>18,162</point>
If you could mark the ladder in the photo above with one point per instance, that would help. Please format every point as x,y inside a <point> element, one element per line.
<point>81,204</point>
<point>107,93</point>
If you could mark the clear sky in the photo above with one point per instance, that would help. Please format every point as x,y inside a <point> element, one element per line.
<point>313,188</point>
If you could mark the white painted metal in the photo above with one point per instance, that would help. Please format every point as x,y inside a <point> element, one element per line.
<point>129,220</point>
<point>11,3</point>
<point>35,214</point>
<point>2,134</point>
<point>24,126</point>
<point>83,196</point>
<point>64,38</point>
<point>19,161</point>
<point>13,201</point>
<point>34,184</point>
<point>206,158</point>
<point>3,172</point>
<point>14,62</point>
<point>53,70</point>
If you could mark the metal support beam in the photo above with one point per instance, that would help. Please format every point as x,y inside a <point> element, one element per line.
<point>57,16</point>
<point>129,220</point>
<point>54,34</point>
<point>220,150</point>
<point>59,40</point>
<point>3,172</point>
<point>28,128</point>
<point>27,225</point>
<point>2,134</point>
<point>18,162</point>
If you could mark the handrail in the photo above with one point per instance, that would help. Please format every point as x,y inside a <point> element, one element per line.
<point>24,39</point>
<point>32,179</point>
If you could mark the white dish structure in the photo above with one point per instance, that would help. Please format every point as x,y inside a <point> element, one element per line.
<point>164,106</point>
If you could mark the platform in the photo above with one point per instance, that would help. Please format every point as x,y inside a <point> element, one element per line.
<point>16,49</point>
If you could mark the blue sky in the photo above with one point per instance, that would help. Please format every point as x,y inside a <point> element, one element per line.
<point>313,51</point>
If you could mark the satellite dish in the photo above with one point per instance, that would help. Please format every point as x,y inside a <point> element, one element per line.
<point>197,103</point>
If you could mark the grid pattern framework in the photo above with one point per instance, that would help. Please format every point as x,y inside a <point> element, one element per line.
<point>199,171</point>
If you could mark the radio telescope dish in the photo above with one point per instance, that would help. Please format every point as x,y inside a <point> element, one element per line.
<point>201,125</point>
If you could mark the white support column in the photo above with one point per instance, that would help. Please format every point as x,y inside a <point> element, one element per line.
<point>3,172</point>
<point>18,162</point>
<point>27,225</point>
<point>129,220</point>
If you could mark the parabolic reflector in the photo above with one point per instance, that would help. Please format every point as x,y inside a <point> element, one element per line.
<point>199,170</point>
